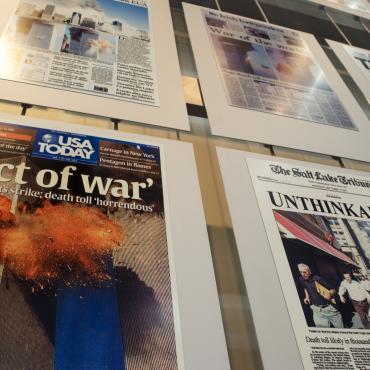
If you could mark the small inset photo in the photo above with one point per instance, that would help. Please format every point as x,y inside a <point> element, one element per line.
<point>329,258</point>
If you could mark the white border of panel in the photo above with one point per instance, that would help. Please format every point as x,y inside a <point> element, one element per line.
<point>355,72</point>
<point>274,330</point>
<point>200,338</point>
<point>275,334</point>
<point>244,124</point>
<point>172,110</point>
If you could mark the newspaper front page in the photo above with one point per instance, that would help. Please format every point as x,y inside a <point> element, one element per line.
<point>98,47</point>
<point>318,226</point>
<point>270,69</point>
<point>85,280</point>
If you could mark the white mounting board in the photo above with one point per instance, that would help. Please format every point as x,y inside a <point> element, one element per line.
<point>272,322</point>
<point>361,76</point>
<point>200,338</point>
<point>171,111</point>
<point>276,308</point>
<point>245,124</point>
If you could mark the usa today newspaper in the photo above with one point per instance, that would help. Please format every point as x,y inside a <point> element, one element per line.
<point>83,252</point>
<point>317,221</point>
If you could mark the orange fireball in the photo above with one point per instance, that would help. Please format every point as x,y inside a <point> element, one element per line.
<point>63,241</point>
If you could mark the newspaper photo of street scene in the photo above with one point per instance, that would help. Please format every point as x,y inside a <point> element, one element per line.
<point>271,69</point>
<point>98,46</point>
<point>329,258</point>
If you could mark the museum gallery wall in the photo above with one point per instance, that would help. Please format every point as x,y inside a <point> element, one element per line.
<point>107,258</point>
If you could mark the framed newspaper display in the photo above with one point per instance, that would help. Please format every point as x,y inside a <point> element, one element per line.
<point>302,233</point>
<point>357,63</point>
<point>360,8</point>
<point>274,85</point>
<point>113,58</point>
<point>95,252</point>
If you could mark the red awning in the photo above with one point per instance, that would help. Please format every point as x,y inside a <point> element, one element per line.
<point>305,236</point>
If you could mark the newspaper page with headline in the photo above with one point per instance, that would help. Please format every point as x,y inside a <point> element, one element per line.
<point>85,277</point>
<point>270,69</point>
<point>318,226</point>
<point>97,47</point>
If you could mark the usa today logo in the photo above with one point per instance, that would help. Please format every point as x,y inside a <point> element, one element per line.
<point>65,146</point>
<point>48,138</point>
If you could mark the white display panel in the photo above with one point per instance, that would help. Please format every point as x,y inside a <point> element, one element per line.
<point>103,57</point>
<point>302,226</point>
<point>360,8</point>
<point>248,69</point>
<point>82,150</point>
<point>357,63</point>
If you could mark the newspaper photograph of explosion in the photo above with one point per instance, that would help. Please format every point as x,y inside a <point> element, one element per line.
<point>85,280</point>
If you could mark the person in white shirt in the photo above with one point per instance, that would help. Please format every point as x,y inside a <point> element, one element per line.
<point>359,297</point>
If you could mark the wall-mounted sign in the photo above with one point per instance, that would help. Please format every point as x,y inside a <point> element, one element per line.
<point>308,249</point>
<point>90,275</point>
<point>271,84</point>
<point>357,63</point>
<point>104,49</point>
